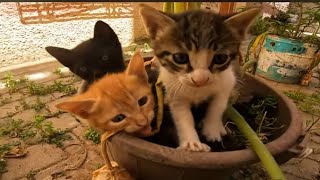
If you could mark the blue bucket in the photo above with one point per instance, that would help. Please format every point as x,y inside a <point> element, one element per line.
<point>285,60</point>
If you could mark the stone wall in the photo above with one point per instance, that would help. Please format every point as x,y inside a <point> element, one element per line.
<point>25,43</point>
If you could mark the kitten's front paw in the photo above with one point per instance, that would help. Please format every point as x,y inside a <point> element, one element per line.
<point>194,146</point>
<point>214,131</point>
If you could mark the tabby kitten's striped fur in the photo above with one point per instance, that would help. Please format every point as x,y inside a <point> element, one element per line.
<point>197,52</point>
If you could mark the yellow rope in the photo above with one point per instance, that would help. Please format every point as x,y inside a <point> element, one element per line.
<point>111,171</point>
<point>160,106</point>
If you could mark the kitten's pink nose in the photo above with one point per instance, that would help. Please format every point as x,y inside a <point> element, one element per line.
<point>199,77</point>
<point>200,82</point>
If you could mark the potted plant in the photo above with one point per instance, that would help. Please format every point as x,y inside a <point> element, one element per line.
<point>148,160</point>
<point>283,49</point>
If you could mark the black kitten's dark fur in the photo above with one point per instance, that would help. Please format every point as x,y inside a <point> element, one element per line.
<point>95,57</point>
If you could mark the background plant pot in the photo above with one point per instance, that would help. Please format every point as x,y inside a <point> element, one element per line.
<point>285,60</point>
<point>149,161</point>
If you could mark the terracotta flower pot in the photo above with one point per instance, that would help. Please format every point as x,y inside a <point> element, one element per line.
<point>149,161</point>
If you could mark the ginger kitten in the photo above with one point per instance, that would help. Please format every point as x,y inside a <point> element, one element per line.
<point>117,101</point>
<point>197,52</point>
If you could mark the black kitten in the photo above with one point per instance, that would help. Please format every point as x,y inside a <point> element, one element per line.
<point>93,58</point>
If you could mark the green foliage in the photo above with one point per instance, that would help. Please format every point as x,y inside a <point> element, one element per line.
<point>281,25</point>
<point>259,26</point>
<point>59,72</point>
<point>57,86</point>
<point>13,84</point>
<point>3,165</point>
<point>98,166</point>
<point>48,133</point>
<point>27,130</point>
<point>260,113</point>
<point>308,103</point>
<point>38,105</point>
<point>92,135</point>
<point>37,89</point>
<point>4,149</point>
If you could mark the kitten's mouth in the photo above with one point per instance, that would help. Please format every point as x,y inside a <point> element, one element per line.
<point>197,85</point>
<point>145,131</point>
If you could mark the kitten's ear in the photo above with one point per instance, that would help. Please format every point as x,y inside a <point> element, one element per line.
<point>154,21</point>
<point>241,22</point>
<point>103,31</point>
<point>80,108</point>
<point>136,66</point>
<point>64,56</point>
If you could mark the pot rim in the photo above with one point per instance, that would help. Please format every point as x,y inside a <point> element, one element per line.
<point>171,156</point>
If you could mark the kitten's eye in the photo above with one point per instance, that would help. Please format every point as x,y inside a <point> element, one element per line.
<point>220,59</point>
<point>83,69</point>
<point>181,58</point>
<point>142,101</point>
<point>118,118</point>
<point>105,58</point>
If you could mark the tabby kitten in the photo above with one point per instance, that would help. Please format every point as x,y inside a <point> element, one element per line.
<point>197,52</point>
<point>117,101</point>
<point>92,58</point>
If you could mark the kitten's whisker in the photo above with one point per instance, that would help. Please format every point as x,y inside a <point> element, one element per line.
<point>180,85</point>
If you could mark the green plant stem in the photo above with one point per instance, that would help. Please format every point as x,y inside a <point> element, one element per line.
<point>259,148</point>
<point>316,31</point>
<point>194,5</point>
<point>310,20</point>
<point>299,21</point>
<point>168,7</point>
<point>179,7</point>
<point>247,65</point>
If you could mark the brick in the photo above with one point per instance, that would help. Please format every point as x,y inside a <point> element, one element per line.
<point>51,105</point>
<point>314,157</point>
<point>309,168</point>
<point>45,99</point>
<point>315,139</point>
<point>64,121</point>
<point>9,108</point>
<point>39,157</point>
<point>72,140</point>
<point>12,97</point>
<point>306,169</point>
<point>93,160</point>
<point>292,177</point>
<point>26,115</point>
<point>76,156</point>
<point>79,174</point>
<point>315,146</point>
